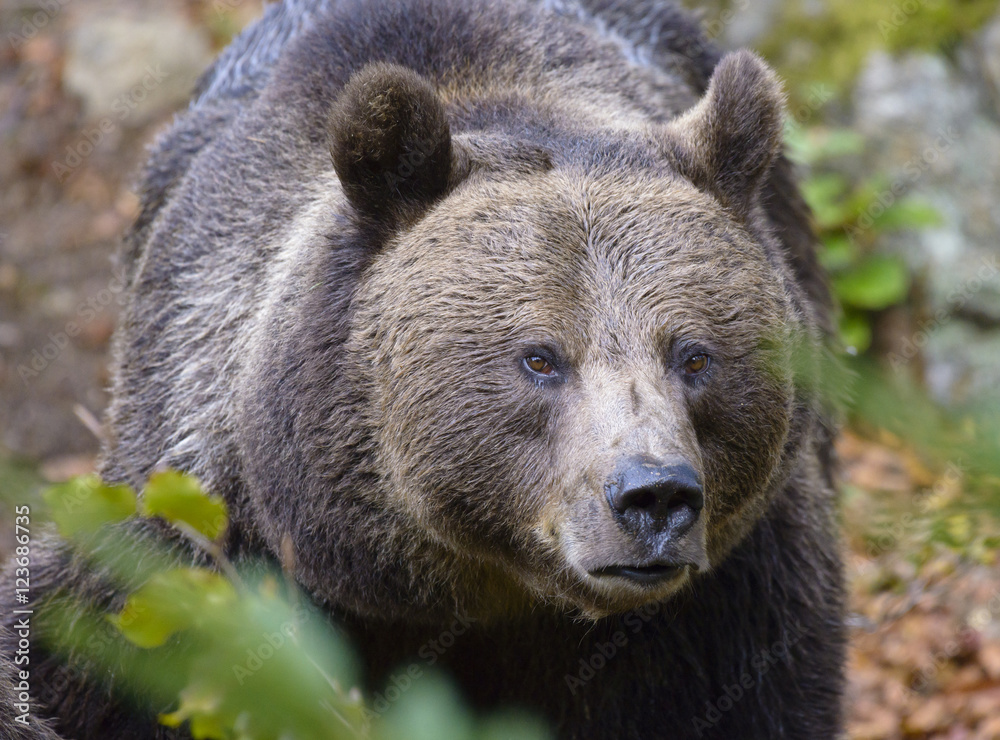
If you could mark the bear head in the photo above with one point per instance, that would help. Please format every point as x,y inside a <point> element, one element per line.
<point>575,361</point>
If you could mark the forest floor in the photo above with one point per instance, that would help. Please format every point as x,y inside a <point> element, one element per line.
<point>924,588</point>
<point>924,598</point>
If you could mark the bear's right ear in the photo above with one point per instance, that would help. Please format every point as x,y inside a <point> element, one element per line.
<point>390,140</point>
<point>727,143</point>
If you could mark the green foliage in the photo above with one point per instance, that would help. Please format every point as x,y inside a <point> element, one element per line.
<point>958,514</point>
<point>832,39</point>
<point>82,506</point>
<point>432,710</point>
<point>262,669</point>
<point>179,499</point>
<point>241,656</point>
<point>966,437</point>
<point>873,283</point>
<point>850,217</point>
<point>172,601</point>
<point>962,440</point>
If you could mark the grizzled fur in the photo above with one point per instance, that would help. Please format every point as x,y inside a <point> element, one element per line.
<point>371,212</point>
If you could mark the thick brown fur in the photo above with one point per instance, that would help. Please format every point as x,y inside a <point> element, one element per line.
<point>347,249</point>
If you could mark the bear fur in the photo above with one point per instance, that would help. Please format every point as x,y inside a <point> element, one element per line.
<point>372,216</point>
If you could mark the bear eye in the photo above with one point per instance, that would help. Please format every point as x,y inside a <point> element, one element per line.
<point>539,366</point>
<point>697,364</point>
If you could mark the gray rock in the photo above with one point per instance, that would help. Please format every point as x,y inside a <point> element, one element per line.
<point>962,362</point>
<point>742,22</point>
<point>932,129</point>
<point>988,55</point>
<point>738,23</point>
<point>917,91</point>
<point>129,69</point>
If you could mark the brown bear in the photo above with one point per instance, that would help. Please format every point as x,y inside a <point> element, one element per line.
<point>504,314</point>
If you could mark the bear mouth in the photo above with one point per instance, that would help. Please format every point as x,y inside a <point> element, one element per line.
<point>642,574</point>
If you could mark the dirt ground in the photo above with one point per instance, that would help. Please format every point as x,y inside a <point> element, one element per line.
<point>925,618</point>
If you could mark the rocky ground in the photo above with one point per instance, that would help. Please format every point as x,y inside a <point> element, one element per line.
<point>85,85</point>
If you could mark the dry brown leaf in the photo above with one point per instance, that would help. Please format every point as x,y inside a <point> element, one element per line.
<point>989,659</point>
<point>932,714</point>
<point>990,729</point>
<point>878,724</point>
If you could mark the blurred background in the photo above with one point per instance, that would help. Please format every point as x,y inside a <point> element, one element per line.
<point>894,119</point>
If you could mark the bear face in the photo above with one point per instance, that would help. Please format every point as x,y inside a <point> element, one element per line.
<point>565,388</point>
<point>561,336</point>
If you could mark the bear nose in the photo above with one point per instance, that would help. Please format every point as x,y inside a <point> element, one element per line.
<point>650,494</point>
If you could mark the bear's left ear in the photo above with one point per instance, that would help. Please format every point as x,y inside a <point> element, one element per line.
<point>390,141</point>
<point>727,143</point>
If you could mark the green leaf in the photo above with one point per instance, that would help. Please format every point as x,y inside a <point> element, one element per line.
<point>83,505</point>
<point>869,198</point>
<point>877,282</point>
<point>172,601</point>
<point>909,213</point>
<point>819,143</point>
<point>429,710</point>
<point>838,253</point>
<point>855,332</point>
<point>178,497</point>
<point>839,142</point>
<point>824,194</point>
<point>201,704</point>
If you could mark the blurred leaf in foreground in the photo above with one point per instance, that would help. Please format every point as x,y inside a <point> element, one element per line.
<point>171,601</point>
<point>82,506</point>
<point>235,659</point>
<point>178,497</point>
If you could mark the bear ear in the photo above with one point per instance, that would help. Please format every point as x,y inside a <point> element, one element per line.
<point>390,140</point>
<point>727,143</point>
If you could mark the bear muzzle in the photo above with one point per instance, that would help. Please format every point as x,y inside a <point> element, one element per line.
<point>657,509</point>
